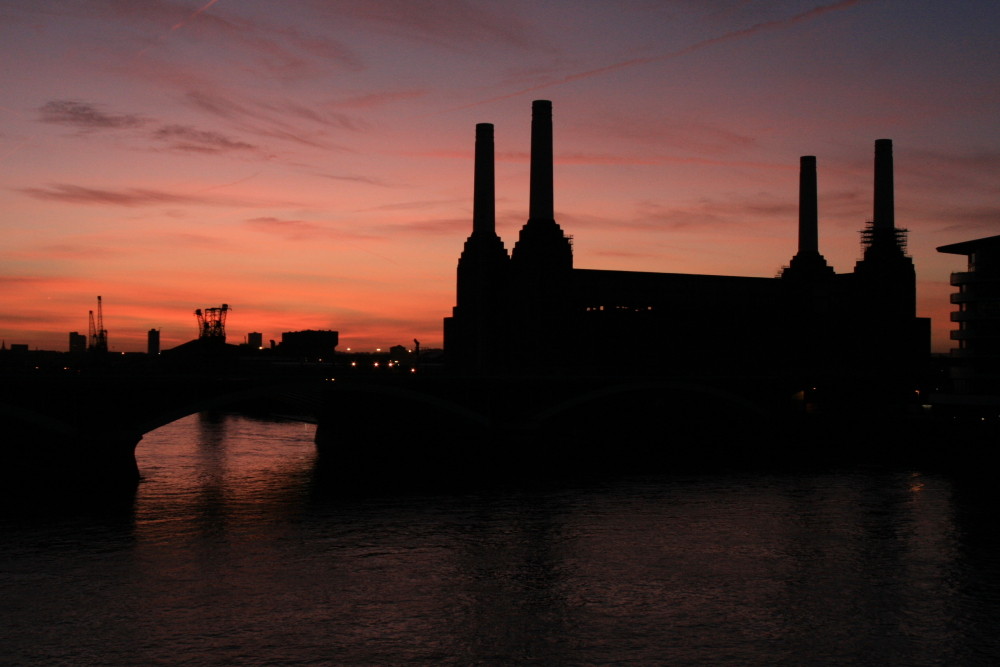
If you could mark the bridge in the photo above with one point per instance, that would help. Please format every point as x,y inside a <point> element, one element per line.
<point>87,424</point>
<point>67,424</point>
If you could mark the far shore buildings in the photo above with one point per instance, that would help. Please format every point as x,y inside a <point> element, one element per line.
<point>309,344</point>
<point>532,312</point>
<point>77,342</point>
<point>153,342</point>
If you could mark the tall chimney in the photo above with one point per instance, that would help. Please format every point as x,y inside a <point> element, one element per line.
<point>807,264</point>
<point>808,211</point>
<point>483,196</point>
<point>541,206</point>
<point>883,217</point>
<point>541,243</point>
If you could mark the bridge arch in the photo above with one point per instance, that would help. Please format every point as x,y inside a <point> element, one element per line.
<point>296,400</point>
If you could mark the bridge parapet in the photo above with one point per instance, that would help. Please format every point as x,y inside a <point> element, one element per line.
<point>91,423</point>
<point>452,425</point>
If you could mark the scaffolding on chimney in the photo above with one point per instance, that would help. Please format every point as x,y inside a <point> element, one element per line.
<point>893,237</point>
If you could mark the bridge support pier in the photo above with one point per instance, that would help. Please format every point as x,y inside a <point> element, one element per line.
<point>110,460</point>
<point>53,462</point>
<point>402,452</point>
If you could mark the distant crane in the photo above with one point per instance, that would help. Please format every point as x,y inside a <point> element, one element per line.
<point>212,323</point>
<point>98,340</point>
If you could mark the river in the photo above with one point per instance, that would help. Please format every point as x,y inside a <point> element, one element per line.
<point>235,551</point>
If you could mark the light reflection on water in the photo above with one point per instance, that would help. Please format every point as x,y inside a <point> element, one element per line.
<point>232,554</point>
<point>220,472</point>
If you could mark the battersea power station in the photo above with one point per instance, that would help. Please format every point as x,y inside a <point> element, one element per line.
<point>531,312</point>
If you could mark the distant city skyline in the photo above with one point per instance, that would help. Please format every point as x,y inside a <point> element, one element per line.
<point>311,165</point>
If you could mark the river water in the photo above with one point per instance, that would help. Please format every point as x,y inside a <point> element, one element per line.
<point>235,551</point>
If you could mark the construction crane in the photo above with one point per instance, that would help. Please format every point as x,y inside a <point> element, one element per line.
<point>98,340</point>
<point>212,322</point>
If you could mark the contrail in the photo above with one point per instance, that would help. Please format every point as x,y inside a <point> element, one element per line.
<point>16,148</point>
<point>194,14</point>
<point>729,36</point>
<point>226,185</point>
<point>178,25</point>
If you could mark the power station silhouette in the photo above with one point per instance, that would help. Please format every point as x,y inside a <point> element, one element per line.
<point>533,313</point>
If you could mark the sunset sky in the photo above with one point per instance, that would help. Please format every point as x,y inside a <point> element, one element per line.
<point>309,162</point>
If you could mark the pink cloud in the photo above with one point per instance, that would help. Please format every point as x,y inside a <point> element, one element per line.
<point>302,230</point>
<point>267,120</point>
<point>87,117</point>
<point>129,197</point>
<point>413,205</point>
<point>454,227</point>
<point>450,25</point>
<point>189,139</point>
<point>372,100</point>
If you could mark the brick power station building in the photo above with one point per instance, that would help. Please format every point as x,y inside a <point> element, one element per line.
<point>532,312</point>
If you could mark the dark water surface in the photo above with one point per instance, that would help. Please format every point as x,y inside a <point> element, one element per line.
<point>233,553</point>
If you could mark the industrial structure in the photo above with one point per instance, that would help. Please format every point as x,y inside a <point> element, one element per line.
<point>533,312</point>
<point>212,323</point>
<point>98,338</point>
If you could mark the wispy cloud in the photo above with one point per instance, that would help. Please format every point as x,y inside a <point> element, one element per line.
<point>305,230</point>
<point>36,318</point>
<point>448,154</point>
<point>411,205</point>
<point>70,251</point>
<point>189,139</point>
<point>367,180</point>
<point>192,240</point>
<point>969,220</point>
<point>640,127</point>
<point>195,14</point>
<point>78,194</point>
<point>595,158</point>
<point>258,119</point>
<point>706,216</point>
<point>218,105</point>
<point>301,230</point>
<point>450,24</point>
<point>268,120</point>
<point>87,117</point>
<point>321,115</point>
<point>317,47</point>
<point>30,280</point>
<point>939,171</point>
<point>622,254</point>
<point>373,100</point>
<point>278,51</point>
<point>294,230</point>
<point>453,227</point>
<point>90,117</point>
